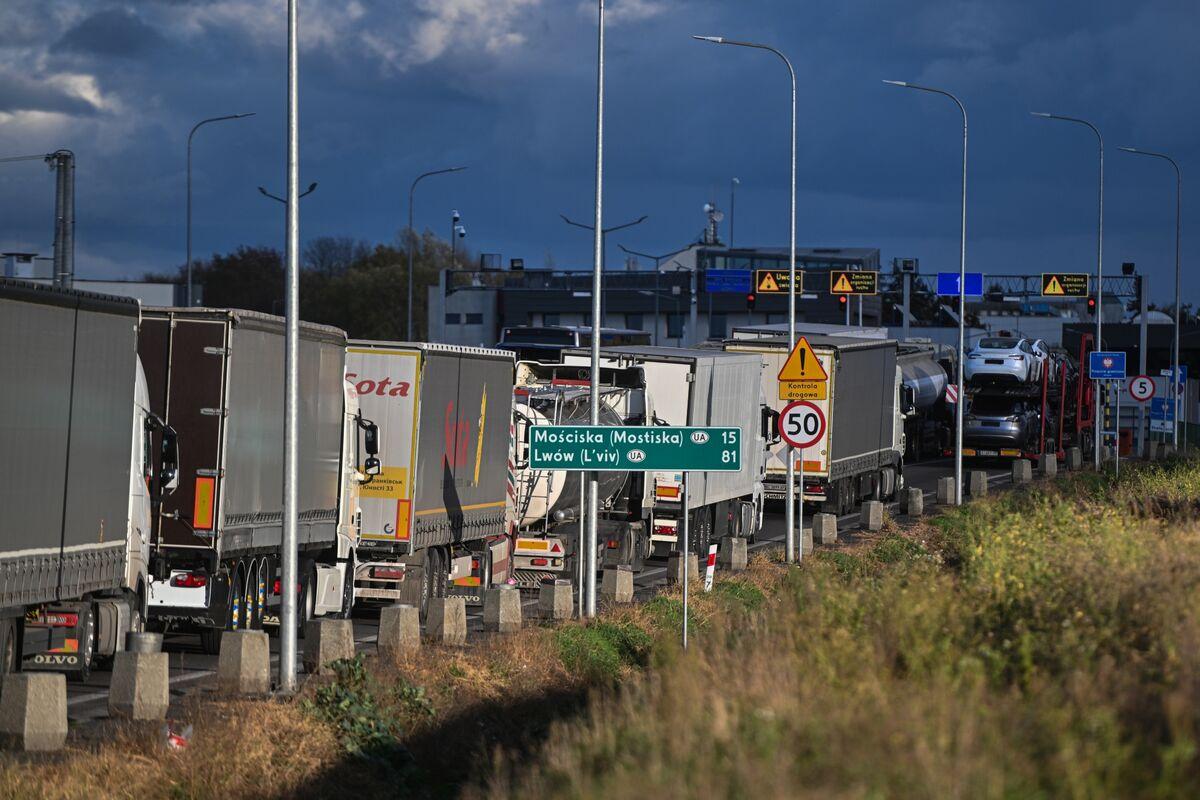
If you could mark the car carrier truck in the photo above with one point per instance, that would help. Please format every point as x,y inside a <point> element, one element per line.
<point>217,376</point>
<point>698,388</point>
<point>861,454</point>
<point>78,477</point>
<point>434,521</point>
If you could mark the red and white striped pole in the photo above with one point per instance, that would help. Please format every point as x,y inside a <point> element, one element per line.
<point>710,567</point>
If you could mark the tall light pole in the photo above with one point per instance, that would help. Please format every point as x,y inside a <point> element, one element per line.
<point>733,184</point>
<point>1178,296</point>
<point>312,187</point>
<point>790,508</point>
<point>587,597</point>
<point>1099,259</point>
<point>412,239</point>
<point>291,392</point>
<point>962,290</point>
<point>195,128</point>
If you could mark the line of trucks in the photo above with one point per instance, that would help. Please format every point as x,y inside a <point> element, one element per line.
<point>140,483</point>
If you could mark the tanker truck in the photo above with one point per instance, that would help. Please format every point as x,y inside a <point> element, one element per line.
<point>546,503</point>
<point>84,461</point>
<point>434,521</point>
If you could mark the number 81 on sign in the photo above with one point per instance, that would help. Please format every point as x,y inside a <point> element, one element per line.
<point>801,424</point>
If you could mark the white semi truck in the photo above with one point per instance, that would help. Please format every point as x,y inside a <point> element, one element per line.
<point>435,520</point>
<point>83,459</point>
<point>216,375</point>
<point>861,454</point>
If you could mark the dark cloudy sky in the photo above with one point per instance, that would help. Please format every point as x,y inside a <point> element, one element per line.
<point>391,88</point>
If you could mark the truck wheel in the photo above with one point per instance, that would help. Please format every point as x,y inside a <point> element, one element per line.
<point>210,640</point>
<point>427,581</point>
<point>306,607</point>
<point>442,576</point>
<point>701,532</point>
<point>8,647</point>
<point>87,643</point>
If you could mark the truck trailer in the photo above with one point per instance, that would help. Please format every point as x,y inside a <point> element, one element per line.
<point>78,479</point>
<point>861,454</point>
<point>217,376</point>
<point>698,388</point>
<point>434,521</point>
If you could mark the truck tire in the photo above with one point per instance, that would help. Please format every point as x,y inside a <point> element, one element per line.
<point>701,531</point>
<point>441,577</point>
<point>10,654</point>
<point>87,643</point>
<point>306,605</point>
<point>425,593</point>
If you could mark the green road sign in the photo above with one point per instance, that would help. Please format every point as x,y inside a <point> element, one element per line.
<point>635,448</point>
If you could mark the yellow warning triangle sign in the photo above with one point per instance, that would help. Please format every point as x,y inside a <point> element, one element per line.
<point>843,284</point>
<point>768,284</point>
<point>1053,287</point>
<point>802,364</point>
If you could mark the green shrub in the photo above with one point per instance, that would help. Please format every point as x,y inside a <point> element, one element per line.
<point>602,650</point>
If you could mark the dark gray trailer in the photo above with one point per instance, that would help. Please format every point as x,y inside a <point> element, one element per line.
<point>76,478</point>
<point>217,376</point>
<point>435,520</point>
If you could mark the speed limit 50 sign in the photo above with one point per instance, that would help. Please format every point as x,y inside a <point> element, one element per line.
<point>801,424</point>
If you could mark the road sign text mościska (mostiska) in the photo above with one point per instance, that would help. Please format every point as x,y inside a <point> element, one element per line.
<point>635,448</point>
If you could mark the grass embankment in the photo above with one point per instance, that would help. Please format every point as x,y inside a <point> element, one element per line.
<point>1040,644</point>
<point>426,726</point>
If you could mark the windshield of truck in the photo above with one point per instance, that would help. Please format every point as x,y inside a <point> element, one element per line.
<point>559,336</point>
<point>998,344</point>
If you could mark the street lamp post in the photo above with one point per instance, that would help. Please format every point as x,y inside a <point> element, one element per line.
<point>603,250</point>
<point>195,128</point>
<point>790,508</point>
<point>412,240</point>
<point>1099,259</point>
<point>962,290</point>
<point>312,187</point>
<point>657,261</point>
<point>1178,296</point>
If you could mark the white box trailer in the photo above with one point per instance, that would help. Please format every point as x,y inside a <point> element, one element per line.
<point>217,376</point>
<point>861,455</point>
<point>435,520</point>
<point>77,476</point>
<point>698,388</point>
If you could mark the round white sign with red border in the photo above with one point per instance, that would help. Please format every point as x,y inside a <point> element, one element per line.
<point>801,424</point>
<point>1141,388</point>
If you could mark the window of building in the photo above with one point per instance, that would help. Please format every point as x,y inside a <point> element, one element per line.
<point>474,319</point>
<point>716,326</point>
<point>674,326</point>
<point>453,319</point>
<point>550,319</point>
<point>633,322</point>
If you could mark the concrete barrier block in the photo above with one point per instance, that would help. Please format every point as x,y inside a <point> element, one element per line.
<point>825,528</point>
<point>139,687</point>
<point>326,641</point>
<point>733,554</point>
<point>912,502</point>
<point>33,711</point>
<point>244,665</point>
<point>555,600</point>
<point>399,630</point>
<point>1168,450</point>
<point>502,609</point>
<point>945,491</point>
<point>977,483</point>
<point>872,515</point>
<point>616,585</point>
<point>1022,471</point>
<point>1048,465</point>
<point>1153,451</point>
<point>1074,459</point>
<point>143,642</point>
<point>806,541</point>
<point>447,622</point>
<point>676,564</point>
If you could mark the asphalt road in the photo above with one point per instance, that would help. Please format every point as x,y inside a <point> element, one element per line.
<point>192,669</point>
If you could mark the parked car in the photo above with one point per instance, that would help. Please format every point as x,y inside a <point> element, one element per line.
<point>999,422</point>
<point>1004,360</point>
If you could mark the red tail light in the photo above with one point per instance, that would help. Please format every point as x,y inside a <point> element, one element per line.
<point>664,530</point>
<point>388,573</point>
<point>60,620</point>
<point>275,587</point>
<point>540,562</point>
<point>613,544</point>
<point>189,580</point>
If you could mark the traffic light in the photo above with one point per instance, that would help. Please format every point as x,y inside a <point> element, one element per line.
<point>1092,306</point>
<point>750,298</point>
<point>843,300</point>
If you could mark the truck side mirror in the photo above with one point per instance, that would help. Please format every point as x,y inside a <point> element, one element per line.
<point>522,424</point>
<point>370,439</point>
<point>372,466</point>
<point>908,400</point>
<point>168,476</point>
<point>770,425</point>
